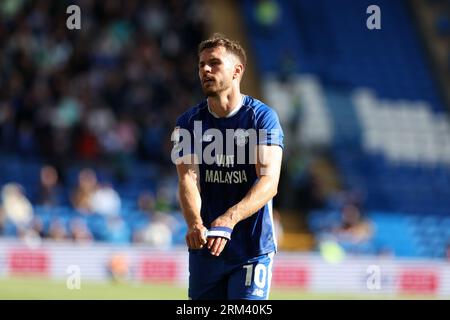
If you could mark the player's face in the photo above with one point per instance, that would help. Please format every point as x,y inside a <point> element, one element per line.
<point>215,69</point>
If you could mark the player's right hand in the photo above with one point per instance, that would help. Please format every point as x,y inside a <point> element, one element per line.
<point>196,236</point>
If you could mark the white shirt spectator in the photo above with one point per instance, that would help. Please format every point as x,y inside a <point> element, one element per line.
<point>16,206</point>
<point>106,201</point>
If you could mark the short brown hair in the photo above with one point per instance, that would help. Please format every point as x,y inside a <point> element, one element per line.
<point>219,40</point>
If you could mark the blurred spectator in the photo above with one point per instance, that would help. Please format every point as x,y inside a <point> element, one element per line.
<point>126,133</point>
<point>79,231</point>
<point>7,127</point>
<point>82,195</point>
<point>157,232</point>
<point>100,120</point>
<point>119,267</point>
<point>87,146</point>
<point>355,231</point>
<point>117,231</point>
<point>385,251</point>
<point>37,225</point>
<point>163,199</point>
<point>57,230</point>
<point>50,192</point>
<point>310,191</point>
<point>16,207</point>
<point>105,201</point>
<point>146,202</point>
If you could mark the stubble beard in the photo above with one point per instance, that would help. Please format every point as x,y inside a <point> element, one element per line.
<point>215,90</point>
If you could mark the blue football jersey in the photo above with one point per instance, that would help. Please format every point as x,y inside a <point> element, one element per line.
<point>228,172</point>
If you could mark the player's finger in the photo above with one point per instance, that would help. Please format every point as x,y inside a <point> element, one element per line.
<point>200,238</point>
<point>188,241</point>
<point>196,240</point>
<point>191,239</point>
<point>210,242</point>
<point>222,246</point>
<point>216,246</point>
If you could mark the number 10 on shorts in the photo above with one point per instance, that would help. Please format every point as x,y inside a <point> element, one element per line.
<point>259,275</point>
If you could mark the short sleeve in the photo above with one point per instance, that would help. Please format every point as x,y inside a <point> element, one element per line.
<point>269,128</point>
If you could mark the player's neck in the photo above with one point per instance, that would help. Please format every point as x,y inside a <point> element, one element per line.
<point>224,104</point>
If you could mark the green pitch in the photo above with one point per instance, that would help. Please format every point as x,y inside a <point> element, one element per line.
<point>44,289</point>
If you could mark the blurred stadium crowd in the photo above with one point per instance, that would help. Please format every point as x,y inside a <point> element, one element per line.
<point>366,113</point>
<point>86,117</point>
<point>104,97</point>
<point>111,89</point>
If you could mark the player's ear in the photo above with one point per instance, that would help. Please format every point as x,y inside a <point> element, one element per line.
<point>238,70</point>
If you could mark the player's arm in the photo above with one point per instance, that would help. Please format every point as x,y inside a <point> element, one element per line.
<point>190,200</point>
<point>268,168</point>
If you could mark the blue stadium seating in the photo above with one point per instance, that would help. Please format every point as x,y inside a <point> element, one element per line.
<point>329,39</point>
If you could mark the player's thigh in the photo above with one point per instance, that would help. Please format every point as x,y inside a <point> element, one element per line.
<point>207,279</point>
<point>252,280</point>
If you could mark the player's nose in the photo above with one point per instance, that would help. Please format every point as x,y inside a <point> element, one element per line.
<point>205,69</point>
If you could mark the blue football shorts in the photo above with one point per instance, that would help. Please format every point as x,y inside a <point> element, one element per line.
<point>214,278</point>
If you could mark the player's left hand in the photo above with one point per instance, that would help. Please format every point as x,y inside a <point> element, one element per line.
<point>217,244</point>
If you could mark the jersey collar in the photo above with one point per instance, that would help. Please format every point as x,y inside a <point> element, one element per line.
<point>232,113</point>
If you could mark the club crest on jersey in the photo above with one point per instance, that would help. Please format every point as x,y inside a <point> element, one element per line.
<point>241,137</point>
<point>207,143</point>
